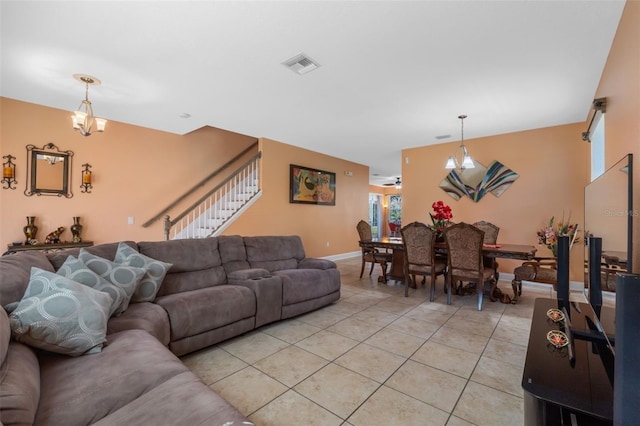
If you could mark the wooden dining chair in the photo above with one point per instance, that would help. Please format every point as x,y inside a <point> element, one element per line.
<point>369,254</point>
<point>419,256</point>
<point>464,248</point>
<point>491,232</point>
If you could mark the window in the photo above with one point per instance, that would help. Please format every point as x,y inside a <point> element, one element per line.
<point>597,149</point>
<point>395,209</point>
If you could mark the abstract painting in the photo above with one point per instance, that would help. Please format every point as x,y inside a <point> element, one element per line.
<point>477,182</point>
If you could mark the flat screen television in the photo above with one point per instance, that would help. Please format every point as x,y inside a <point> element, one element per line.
<point>608,214</point>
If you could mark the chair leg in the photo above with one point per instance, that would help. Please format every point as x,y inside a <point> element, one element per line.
<point>362,268</point>
<point>372,265</point>
<point>432,292</point>
<point>448,284</point>
<point>383,266</point>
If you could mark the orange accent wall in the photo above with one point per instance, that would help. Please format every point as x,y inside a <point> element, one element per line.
<point>553,168</point>
<point>325,230</point>
<point>136,172</point>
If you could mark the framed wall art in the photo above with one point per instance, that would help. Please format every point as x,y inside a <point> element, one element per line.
<point>311,186</point>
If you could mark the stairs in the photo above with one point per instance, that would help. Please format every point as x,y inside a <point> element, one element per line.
<point>220,207</point>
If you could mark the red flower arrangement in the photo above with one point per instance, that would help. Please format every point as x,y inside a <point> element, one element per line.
<point>441,217</point>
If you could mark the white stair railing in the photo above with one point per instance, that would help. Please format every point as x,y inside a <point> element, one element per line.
<point>217,209</point>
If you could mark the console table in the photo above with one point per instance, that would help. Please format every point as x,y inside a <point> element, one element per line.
<point>556,389</point>
<point>13,248</point>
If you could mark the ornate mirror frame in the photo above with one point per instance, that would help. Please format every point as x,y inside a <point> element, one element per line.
<point>48,171</point>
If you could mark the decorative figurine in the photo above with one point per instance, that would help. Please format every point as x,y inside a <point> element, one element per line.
<point>30,230</point>
<point>54,237</point>
<point>76,229</point>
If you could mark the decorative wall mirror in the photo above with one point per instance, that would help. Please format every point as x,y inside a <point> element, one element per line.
<point>48,171</point>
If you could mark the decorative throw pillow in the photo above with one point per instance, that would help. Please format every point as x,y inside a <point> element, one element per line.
<point>60,315</point>
<point>124,276</point>
<point>152,280</point>
<point>77,271</point>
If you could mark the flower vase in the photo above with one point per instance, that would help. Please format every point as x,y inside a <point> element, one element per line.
<point>76,229</point>
<point>30,230</point>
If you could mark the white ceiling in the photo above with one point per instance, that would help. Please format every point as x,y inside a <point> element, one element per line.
<point>392,74</point>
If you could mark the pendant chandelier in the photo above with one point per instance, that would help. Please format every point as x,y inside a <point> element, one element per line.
<point>467,161</point>
<point>83,118</point>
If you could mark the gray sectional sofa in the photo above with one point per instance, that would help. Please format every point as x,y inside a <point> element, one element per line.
<point>211,290</point>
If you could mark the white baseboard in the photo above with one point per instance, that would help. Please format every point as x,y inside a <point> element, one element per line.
<point>342,256</point>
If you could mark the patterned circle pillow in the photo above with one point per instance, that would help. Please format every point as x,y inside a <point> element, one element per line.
<point>124,276</point>
<point>60,315</point>
<point>152,280</point>
<point>77,271</point>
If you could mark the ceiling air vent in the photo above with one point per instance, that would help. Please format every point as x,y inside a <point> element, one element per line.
<point>301,64</point>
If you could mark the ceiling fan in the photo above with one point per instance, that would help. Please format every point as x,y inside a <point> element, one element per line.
<point>397,183</point>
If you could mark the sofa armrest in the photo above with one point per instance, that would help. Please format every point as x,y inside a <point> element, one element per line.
<point>248,274</point>
<point>311,263</point>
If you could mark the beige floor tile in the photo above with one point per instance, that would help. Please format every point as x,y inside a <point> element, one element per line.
<point>390,407</point>
<point>326,344</point>
<point>212,364</point>
<point>409,301</point>
<point>478,316</point>
<point>395,341</point>
<point>292,409</point>
<point>499,375</point>
<point>430,385</point>
<point>354,329</point>
<point>254,346</point>
<point>337,389</point>
<point>291,330</point>
<point>477,327</point>
<point>483,405</point>
<point>344,307</point>
<point>460,339</point>
<point>377,364</point>
<point>364,299</point>
<point>414,327</point>
<point>505,351</point>
<point>452,360</point>
<point>457,421</point>
<point>248,389</point>
<point>516,322</point>
<point>291,365</point>
<point>391,306</point>
<point>322,318</point>
<point>511,334</point>
<point>376,316</point>
<point>423,313</point>
<point>440,306</point>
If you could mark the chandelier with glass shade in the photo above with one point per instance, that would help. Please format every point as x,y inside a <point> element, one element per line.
<point>83,119</point>
<point>466,160</point>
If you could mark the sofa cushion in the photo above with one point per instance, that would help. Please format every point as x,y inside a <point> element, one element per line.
<point>15,270</point>
<point>126,277</point>
<point>145,316</point>
<point>196,263</point>
<point>81,391</point>
<point>182,400</point>
<point>60,315</point>
<point>233,253</point>
<point>106,251</point>
<point>152,280</point>
<point>75,270</point>
<point>19,385</point>
<point>198,311</point>
<point>299,285</point>
<point>274,253</point>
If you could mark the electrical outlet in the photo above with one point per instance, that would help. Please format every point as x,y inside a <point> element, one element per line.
<point>131,220</point>
<point>327,243</point>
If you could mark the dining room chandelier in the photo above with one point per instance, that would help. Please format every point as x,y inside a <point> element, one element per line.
<point>83,119</point>
<point>467,161</point>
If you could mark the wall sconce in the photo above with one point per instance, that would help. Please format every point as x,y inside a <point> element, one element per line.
<point>9,173</point>
<point>86,178</point>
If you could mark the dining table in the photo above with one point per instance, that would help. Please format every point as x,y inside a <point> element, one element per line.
<point>396,246</point>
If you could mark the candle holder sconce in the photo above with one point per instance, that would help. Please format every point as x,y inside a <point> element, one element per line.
<point>86,178</point>
<point>9,173</point>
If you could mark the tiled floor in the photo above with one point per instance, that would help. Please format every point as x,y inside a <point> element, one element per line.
<point>378,358</point>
